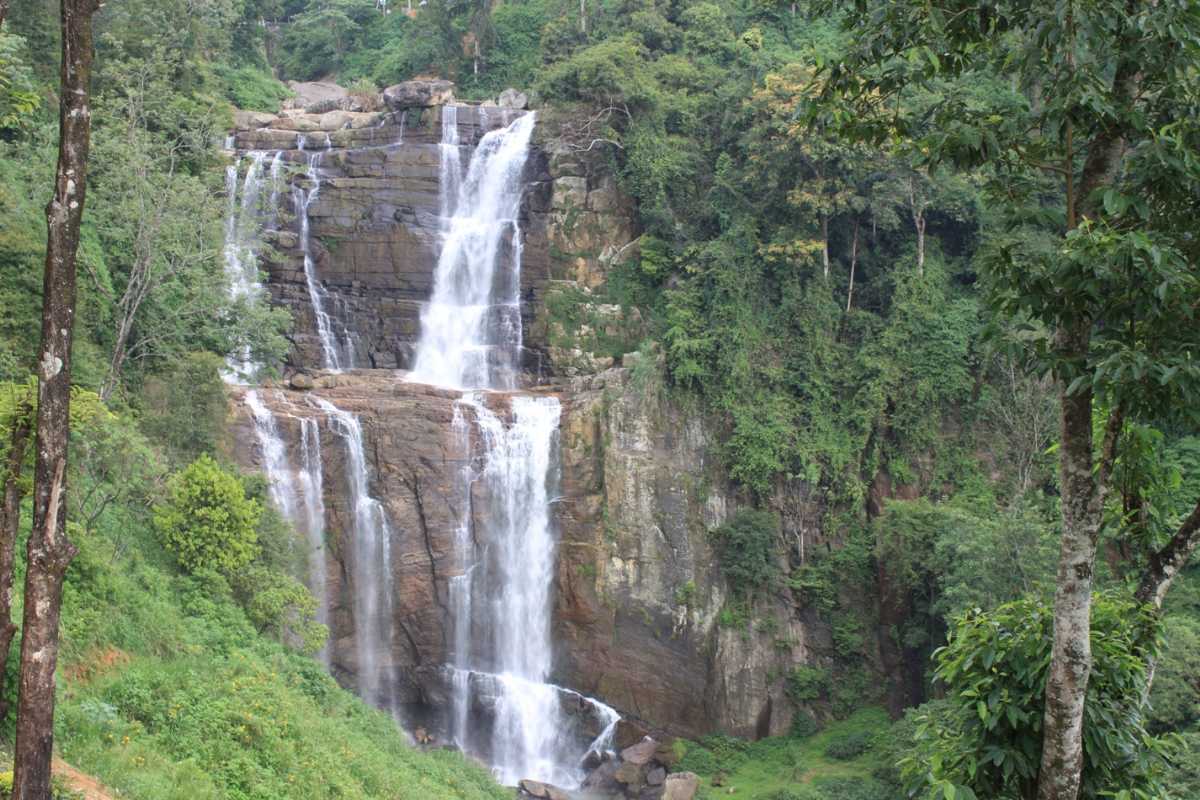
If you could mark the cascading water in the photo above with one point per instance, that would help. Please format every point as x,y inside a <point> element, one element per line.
<point>242,219</point>
<point>471,326</point>
<point>298,494</point>
<point>501,603</point>
<point>370,564</point>
<point>334,354</point>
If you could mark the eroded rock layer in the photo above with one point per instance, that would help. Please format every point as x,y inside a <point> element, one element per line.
<point>638,594</point>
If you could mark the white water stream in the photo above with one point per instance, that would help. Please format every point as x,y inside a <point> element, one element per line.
<point>471,326</point>
<point>298,493</point>
<point>471,338</point>
<point>370,564</point>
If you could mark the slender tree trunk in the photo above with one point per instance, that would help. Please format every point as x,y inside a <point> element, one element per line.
<point>50,551</point>
<point>3,10</point>
<point>583,17</point>
<point>10,523</point>
<point>1071,662</point>
<point>853,265</point>
<point>1082,505</point>
<point>825,246</point>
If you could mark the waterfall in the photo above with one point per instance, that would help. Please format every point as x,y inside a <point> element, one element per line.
<point>312,490</point>
<point>333,356</point>
<point>471,326</point>
<point>306,512</point>
<point>274,456</point>
<point>242,221</point>
<point>370,564</point>
<point>501,602</point>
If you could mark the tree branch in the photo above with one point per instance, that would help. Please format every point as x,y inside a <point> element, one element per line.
<point>1166,563</point>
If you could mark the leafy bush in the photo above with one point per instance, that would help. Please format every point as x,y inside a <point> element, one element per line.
<point>252,88</point>
<point>807,684</point>
<point>804,725</point>
<point>280,606</point>
<point>207,521</point>
<point>987,738</point>
<point>746,549</point>
<point>848,745</point>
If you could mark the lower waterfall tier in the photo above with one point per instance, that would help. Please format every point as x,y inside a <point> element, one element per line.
<point>633,508</point>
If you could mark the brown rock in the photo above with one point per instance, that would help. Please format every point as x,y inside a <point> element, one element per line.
<point>640,753</point>
<point>304,382</point>
<point>314,93</point>
<point>533,788</point>
<point>656,776</point>
<point>418,94</point>
<point>248,120</point>
<point>681,786</point>
<point>632,776</point>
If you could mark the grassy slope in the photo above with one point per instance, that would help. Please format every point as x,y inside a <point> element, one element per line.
<point>167,692</point>
<point>784,767</point>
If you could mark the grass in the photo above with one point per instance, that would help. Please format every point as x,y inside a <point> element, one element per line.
<point>785,767</point>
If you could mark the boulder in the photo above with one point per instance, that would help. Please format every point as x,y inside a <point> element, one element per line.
<point>656,776</point>
<point>641,753</point>
<point>532,788</point>
<point>315,94</point>
<point>603,778</point>
<point>250,120</point>
<point>304,382</point>
<point>630,775</point>
<point>681,786</point>
<point>418,94</point>
<point>511,98</point>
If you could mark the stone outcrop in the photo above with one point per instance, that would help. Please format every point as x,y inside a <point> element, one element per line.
<point>638,582</point>
<point>420,94</point>
<point>638,594</point>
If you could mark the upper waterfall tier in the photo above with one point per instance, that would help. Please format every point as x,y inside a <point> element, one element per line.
<point>355,239</point>
<point>471,331</point>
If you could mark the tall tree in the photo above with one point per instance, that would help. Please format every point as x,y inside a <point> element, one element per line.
<point>1085,116</point>
<point>19,424</point>
<point>49,549</point>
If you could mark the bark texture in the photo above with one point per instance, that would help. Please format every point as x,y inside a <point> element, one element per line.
<point>50,551</point>
<point>10,521</point>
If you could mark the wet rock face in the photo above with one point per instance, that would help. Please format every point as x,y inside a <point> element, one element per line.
<point>374,225</point>
<point>639,591</point>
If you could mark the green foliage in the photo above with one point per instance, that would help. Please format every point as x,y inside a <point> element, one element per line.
<point>251,87</point>
<point>185,407</point>
<point>745,547</point>
<point>207,521</point>
<point>794,766</point>
<point>849,745</point>
<point>987,740</point>
<point>18,95</point>
<point>807,684</point>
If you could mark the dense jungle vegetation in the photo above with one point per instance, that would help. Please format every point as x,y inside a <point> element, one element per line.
<point>857,255</point>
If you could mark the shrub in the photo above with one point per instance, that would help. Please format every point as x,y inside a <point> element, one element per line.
<point>280,606</point>
<point>807,684</point>
<point>746,548</point>
<point>804,725</point>
<point>846,746</point>
<point>207,521</point>
<point>987,737</point>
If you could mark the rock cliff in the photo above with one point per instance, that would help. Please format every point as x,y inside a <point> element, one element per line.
<point>638,593</point>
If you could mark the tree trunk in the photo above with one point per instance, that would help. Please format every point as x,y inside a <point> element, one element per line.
<point>10,523</point>
<point>853,265</point>
<point>919,222</point>
<point>583,17</point>
<point>1082,505</point>
<point>50,551</point>
<point>3,10</point>
<point>825,246</point>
